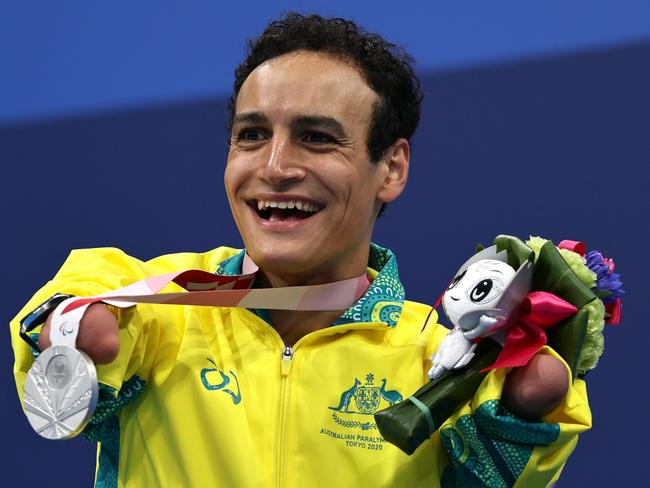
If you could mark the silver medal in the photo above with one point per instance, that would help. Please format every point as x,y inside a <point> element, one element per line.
<point>61,392</point>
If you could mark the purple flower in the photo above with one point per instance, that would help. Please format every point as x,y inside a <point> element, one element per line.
<point>609,286</point>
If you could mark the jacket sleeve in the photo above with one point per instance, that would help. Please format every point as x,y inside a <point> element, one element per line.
<point>488,446</point>
<point>90,272</point>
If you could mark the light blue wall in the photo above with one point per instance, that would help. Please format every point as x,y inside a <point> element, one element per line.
<point>65,57</point>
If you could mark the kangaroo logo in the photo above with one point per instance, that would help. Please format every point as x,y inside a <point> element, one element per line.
<point>207,375</point>
<point>346,396</point>
<point>367,397</point>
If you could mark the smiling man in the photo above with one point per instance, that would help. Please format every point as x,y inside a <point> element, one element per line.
<point>301,187</point>
<point>322,115</point>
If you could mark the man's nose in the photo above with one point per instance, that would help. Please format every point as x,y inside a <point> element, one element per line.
<point>281,164</point>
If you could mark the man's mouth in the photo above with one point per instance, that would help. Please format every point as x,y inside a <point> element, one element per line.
<point>285,210</point>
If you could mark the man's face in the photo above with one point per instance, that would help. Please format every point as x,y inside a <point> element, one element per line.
<point>301,188</point>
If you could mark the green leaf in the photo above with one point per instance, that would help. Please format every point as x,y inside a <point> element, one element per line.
<point>518,251</point>
<point>406,426</point>
<point>553,274</point>
<point>568,337</point>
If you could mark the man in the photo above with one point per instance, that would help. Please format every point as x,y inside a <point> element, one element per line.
<point>322,115</point>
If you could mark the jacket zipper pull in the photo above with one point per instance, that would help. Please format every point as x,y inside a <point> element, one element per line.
<point>287,356</point>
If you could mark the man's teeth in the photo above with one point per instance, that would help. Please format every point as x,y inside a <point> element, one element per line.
<point>300,205</point>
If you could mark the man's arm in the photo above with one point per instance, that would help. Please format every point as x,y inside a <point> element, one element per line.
<point>535,389</point>
<point>98,334</point>
<point>489,445</point>
<point>518,429</point>
<point>120,346</point>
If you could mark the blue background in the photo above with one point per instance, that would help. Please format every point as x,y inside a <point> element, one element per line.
<point>535,121</point>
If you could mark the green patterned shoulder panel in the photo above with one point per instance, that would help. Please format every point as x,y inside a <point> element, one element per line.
<point>384,299</point>
<point>491,447</point>
<point>109,404</point>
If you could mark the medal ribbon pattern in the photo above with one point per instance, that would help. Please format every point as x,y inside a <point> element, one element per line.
<point>207,289</point>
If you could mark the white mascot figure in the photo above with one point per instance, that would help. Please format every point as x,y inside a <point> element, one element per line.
<point>479,302</point>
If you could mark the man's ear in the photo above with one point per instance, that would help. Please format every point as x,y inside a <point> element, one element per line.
<point>396,159</point>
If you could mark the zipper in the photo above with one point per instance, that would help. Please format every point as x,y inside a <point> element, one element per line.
<point>286,361</point>
<point>287,357</point>
<point>287,354</point>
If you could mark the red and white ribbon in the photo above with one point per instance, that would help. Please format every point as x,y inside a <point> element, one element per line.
<point>207,289</point>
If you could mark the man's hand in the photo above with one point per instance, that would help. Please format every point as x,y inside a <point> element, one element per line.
<point>534,390</point>
<point>98,334</point>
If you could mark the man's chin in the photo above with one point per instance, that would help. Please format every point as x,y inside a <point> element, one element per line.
<point>281,261</point>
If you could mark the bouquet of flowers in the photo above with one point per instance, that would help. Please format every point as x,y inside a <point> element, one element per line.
<point>505,303</point>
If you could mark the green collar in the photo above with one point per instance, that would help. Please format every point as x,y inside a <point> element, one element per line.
<point>382,302</point>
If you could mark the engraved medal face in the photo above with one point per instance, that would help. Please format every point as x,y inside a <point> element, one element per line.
<point>61,392</point>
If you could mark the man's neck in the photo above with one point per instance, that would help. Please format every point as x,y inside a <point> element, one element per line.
<point>292,325</point>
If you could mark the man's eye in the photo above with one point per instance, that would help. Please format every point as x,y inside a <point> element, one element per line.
<point>317,138</point>
<point>250,135</point>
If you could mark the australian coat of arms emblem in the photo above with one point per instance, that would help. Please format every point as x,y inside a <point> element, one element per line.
<point>366,398</point>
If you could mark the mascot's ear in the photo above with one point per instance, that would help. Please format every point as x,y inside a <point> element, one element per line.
<point>519,287</point>
<point>488,253</point>
<point>479,248</point>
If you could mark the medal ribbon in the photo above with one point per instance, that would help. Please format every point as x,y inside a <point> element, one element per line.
<point>207,289</point>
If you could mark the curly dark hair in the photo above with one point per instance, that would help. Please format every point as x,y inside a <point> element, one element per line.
<point>386,68</point>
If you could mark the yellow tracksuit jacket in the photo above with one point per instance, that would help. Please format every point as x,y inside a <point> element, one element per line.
<point>204,396</point>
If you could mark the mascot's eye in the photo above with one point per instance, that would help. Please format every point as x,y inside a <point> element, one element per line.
<point>456,280</point>
<point>481,290</point>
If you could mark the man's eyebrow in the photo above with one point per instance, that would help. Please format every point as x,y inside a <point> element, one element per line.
<point>300,122</point>
<point>250,118</point>
<point>319,122</point>
<point>496,271</point>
